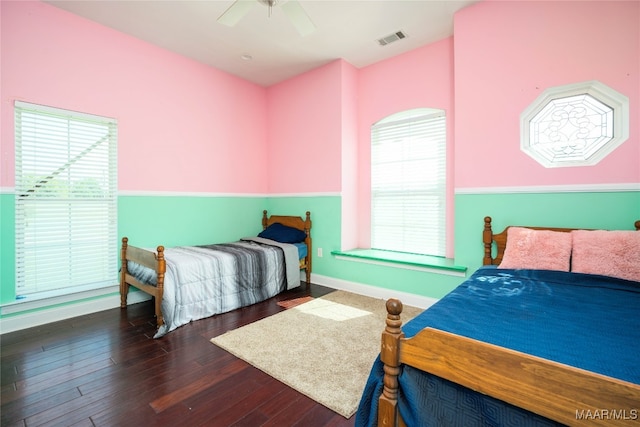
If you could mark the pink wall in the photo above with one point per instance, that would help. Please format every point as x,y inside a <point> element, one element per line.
<point>350,167</point>
<point>193,124</point>
<point>507,53</point>
<point>420,78</point>
<point>183,126</point>
<point>305,133</point>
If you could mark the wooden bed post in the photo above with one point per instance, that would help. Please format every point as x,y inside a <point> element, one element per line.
<point>307,230</point>
<point>124,286</point>
<point>487,240</point>
<point>265,219</point>
<point>390,356</point>
<point>161,268</point>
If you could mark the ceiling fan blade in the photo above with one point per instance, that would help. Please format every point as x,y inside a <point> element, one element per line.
<point>236,11</point>
<point>298,17</point>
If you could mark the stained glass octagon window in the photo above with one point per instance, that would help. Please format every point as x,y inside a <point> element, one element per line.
<point>574,125</point>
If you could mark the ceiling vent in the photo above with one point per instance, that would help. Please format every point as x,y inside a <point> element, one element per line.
<point>391,38</point>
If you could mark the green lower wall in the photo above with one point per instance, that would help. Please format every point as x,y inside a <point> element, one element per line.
<point>606,210</point>
<point>7,248</point>
<point>149,221</point>
<point>327,223</point>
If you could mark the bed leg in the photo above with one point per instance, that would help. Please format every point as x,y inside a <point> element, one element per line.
<point>390,356</point>
<point>161,269</point>
<point>124,286</point>
<point>158,308</point>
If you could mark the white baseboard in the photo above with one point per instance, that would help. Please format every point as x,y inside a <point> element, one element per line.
<point>412,300</point>
<point>36,318</point>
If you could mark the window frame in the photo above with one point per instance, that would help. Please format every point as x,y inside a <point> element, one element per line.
<point>48,205</point>
<point>591,155</point>
<point>415,228</point>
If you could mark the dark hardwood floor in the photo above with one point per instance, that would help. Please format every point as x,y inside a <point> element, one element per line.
<point>105,369</point>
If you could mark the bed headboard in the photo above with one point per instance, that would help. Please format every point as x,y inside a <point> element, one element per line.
<point>290,221</point>
<point>300,224</point>
<point>501,240</point>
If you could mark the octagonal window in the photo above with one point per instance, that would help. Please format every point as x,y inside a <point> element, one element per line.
<point>574,125</point>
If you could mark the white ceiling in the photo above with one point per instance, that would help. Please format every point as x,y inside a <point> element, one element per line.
<point>344,29</point>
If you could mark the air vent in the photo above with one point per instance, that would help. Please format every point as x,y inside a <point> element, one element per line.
<point>391,38</point>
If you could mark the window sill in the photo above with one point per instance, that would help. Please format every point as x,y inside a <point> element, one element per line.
<point>54,298</point>
<point>431,264</point>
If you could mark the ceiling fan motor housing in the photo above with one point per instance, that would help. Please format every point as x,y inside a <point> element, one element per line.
<point>269,3</point>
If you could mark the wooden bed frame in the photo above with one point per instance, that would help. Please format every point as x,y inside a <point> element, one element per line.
<point>300,224</point>
<point>547,388</point>
<point>156,261</point>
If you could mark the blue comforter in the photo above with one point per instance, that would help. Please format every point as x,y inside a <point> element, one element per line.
<point>588,321</point>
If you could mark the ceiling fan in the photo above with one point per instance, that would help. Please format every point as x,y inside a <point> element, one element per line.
<point>292,9</point>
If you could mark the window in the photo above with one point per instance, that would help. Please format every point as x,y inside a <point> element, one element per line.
<point>408,182</point>
<point>66,201</point>
<point>574,125</point>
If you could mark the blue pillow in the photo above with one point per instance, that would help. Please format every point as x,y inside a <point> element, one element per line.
<point>283,234</point>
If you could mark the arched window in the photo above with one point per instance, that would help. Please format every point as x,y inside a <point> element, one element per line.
<point>408,182</point>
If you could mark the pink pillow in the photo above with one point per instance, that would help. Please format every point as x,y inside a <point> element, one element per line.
<point>537,249</point>
<point>608,253</point>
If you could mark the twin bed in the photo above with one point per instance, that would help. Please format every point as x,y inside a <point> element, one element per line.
<point>546,333</point>
<point>194,282</point>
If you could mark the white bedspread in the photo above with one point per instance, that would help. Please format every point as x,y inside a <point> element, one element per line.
<point>201,281</point>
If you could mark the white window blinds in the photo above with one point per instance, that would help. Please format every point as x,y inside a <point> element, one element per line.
<point>408,182</point>
<point>66,200</point>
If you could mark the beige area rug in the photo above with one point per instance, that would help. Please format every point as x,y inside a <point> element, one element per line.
<point>323,348</point>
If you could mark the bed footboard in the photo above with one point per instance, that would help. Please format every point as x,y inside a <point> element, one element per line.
<point>547,388</point>
<point>149,259</point>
